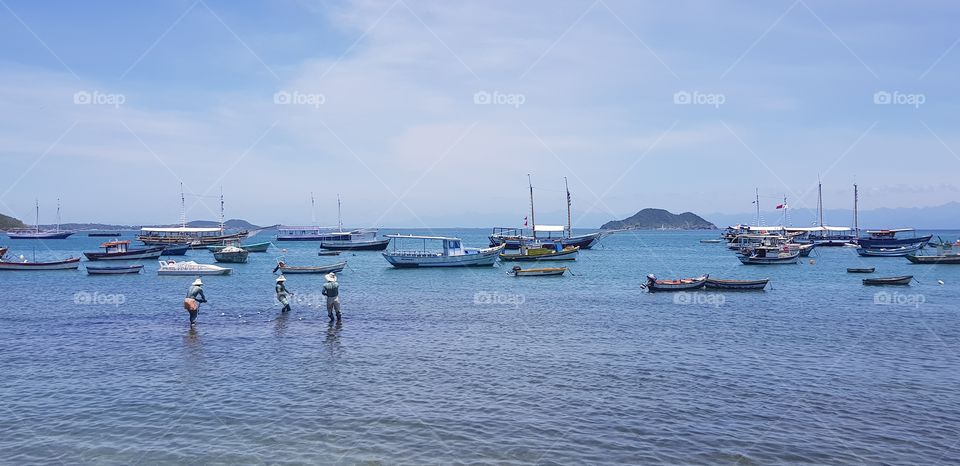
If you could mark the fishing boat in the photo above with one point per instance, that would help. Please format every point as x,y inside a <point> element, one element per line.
<point>356,240</point>
<point>516,271</point>
<point>172,267</point>
<point>888,239</point>
<point>825,235</point>
<point>711,241</point>
<point>719,284</point>
<point>196,237</point>
<point>253,247</point>
<point>939,259</point>
<point>763,257</point>
<point>554,252</point>
<point>683,284</point>
<point>904,280</point>
<point>103,234</point>
<point>285,269</point>
<point>900,251</point>
<point>861,270</point>
<point>328,253</point>
<point>36,232</point>
<point>438,251</point>
<point>118,250</point>
<point>72,263</point>
<point>114,270</point>
<point>175,250</point>
<point>231,254</point>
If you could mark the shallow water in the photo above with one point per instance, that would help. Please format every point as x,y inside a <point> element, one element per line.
<point>472,365</point>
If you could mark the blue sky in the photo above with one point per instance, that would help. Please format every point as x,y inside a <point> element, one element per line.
<point>421,112</point>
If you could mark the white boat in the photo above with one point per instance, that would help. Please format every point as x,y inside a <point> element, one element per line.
<point>171,267</point>
<point>443,252</point>
<point>72,263</point>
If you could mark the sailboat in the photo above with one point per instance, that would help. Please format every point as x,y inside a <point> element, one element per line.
<point>364,239</point>
<point>824,235</point>
<point>513,237</point>
<point>196,237</point>
<point>36,232</point>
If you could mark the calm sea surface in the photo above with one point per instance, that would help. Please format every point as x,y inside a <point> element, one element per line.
<point>475,366</point>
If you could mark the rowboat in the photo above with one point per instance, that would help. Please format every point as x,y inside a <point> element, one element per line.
<point>72,263</point>
<point>736,284</point>
<point>555,253</point>
<point>172,267</point>
<point>516,271</point>
<point>114,270</point>
<point>900,251</point>
<point>255,247</point>
<point>904,280</point>
<point>231,254</point>
<point>758,258</point>
<point>118,250</point>
<point>683,284</point>
<point>328,253</point>
<point>285,269</point>
<point>175,250</point>
<point>942,259</point>
<point>861,270</point>
<point>711,241</point>
<point>449,253</point>
<point>103,234</point>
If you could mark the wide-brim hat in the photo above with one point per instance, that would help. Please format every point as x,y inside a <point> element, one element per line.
<point>331,277</point>
<point>281,279</point>
<point>198,282</point>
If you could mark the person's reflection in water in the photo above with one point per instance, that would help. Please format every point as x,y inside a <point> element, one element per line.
<point>192,343</point>
<point>280,324</point>
<point>333,334</point>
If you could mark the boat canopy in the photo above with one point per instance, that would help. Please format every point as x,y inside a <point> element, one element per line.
<point>764,228</point>
<point>180,230</point>
<point>892,230</point>
<point>438,238</point>
<point>818,228</point>
<point>549,228</point>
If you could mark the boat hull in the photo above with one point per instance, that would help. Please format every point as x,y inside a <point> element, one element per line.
<point>552,256</point>
<point>195,241</point>
<point>542,272</point>
<point>256,247</point>
<point>901,251</point>
<point>41,235</point>
<point>753,260</point>
<point>69,264</point>
<point>376,245</point>
<point>889,243</point>
<point>338,267</point>
<point>900,281</point>
<point>177,250</point>
<point>861,270</point>
<point>191,269</point>
<point>736,284</point>
<point>676,285</point>
<point>133,269</point>
<point>239,257</point>
<point>483,258</point>
<point>133,254</point>
<point>951,259</point>
<point>586,241</point>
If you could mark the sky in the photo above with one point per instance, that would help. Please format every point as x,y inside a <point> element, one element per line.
<point>432,113</point>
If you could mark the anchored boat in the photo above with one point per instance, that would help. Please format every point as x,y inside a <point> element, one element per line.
<point>861,270</point>
<point>904,280</point>
<point>72,263</point>
<point>900,251</point>
<point>36,232</point>
<point>555,252</point>
<point>172,267</point>
<point>285,269</point>
<point>888,239</point>
<point>441,252</point>
<point>231,254</point>
<point>683,284</point>
<point>718,284</point>
<point>941,259</point>
<point>254,247</point>
<point>118,250</point>
<point>114,270</point>
<point>175,250</point>
<point>516,271</point>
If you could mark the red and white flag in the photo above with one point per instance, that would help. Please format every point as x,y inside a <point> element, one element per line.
<point>781,206</point>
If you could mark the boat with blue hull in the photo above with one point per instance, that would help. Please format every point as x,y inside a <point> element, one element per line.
<point>901,251</point>
<point>118,250</point>
<point>889,239</point>
<point>37,233</point>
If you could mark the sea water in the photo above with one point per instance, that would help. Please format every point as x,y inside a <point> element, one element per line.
<point>473,365</point>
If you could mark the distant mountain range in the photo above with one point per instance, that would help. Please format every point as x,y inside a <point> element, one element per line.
<point>232,224</point>
<point>652,219</point>
<point>942,217</point>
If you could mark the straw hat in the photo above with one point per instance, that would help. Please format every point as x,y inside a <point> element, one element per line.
<point>198,282</point>
<point>281,279</point>
<point>331,277</point>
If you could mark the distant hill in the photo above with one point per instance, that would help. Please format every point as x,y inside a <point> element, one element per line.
<point>7,223</point>
<point>651,219</point>
<point>232,224</point>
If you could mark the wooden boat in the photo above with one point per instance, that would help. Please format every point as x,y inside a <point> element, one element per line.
<point>285,269</point>
<point>516,271</point>
<point>736,284</point>
<point>904,280</point>
<point>175,250</point>
<point>3,252</point>
<point>172,267</point>
<point>254,247</point>
<point>72,263</point>
<point>103,234</point>
<point>861,270</point>
<point>450,253</point>
<point>887,239</point>
<point>555,253</point>
<point>941,259</point>
<point>759,258</point>
<point>711,241</point>
<point>114,270</point>
<point>231,254</point>
<point>118,250</point>
<point>900,251</point>
<point>683,284</point>
<point>328,253</point>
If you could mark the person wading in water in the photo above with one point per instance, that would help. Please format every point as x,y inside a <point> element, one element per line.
<point>332,291</point>
<point>282,294</point>
<point>194,297</point>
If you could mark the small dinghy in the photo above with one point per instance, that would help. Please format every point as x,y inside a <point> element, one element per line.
<point>328,253</point>
<point>719,284</point>
<point>904,280</point>
<point>516,271</point>
<point>114,270</point>
<point>861,270</point>
<point>711,241</point>
<point>285,269</point>
<point>683,284</point>
<point>231,254</point>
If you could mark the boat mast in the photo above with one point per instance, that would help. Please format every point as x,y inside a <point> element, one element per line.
<point>221,209</point>
<point>856,213</point>
<point>820,201</point>
<point>757,202</point>
<point>37,202</point>
<point>313,210</point>
<point>533,220</point>
<point>339,216</point>
<point>58,215</point>
<point>183,208</point>
<point>569,217</point>
<point>785,210</point>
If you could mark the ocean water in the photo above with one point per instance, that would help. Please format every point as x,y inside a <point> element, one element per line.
<point>475,366</point>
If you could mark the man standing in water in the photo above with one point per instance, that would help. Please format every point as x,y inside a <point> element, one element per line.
<point>282,294</point>
<point>332,291</point>
<point>194,297</point>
